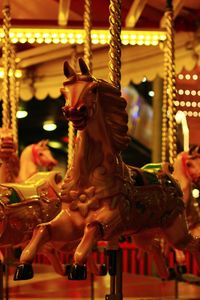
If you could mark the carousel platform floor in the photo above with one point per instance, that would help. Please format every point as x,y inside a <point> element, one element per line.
<point>49,286</point>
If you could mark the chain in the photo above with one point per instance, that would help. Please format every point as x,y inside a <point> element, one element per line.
<point>87,28</point>
<point>115,43</point>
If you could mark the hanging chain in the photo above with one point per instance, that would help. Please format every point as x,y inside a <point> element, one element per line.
<point>6,67</point>
<point>115,43</point>
<point>87,28</point>
<point>71,133</point>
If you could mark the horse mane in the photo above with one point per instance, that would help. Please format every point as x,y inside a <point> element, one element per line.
<point>116,117</point>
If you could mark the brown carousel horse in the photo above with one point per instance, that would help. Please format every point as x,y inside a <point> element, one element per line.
<point>103,198</point>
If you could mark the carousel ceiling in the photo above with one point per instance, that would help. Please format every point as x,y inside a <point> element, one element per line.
<point>41,58</point>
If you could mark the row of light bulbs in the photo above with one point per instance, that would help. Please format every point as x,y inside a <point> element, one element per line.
<point>77,36</point>
<point>188,92</point>
<point>188,76</point>
<point>192,113</point>
<point>186,103</point>
<point>18,73</point>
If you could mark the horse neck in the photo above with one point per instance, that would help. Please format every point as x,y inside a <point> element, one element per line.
<point>27,166</point>
<point>93,149</point>
<point>183,179</point>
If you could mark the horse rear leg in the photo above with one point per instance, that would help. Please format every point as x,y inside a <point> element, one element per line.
<point>152,246</point>
<point>180,238</point>
<point>53,258</point>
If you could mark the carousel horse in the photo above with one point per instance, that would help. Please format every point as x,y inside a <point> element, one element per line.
<point>25,205</point>
<point>35,157</point>
<point>187,172</point>
<point>102,197</point>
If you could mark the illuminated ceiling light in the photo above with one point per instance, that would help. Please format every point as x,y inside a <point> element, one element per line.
<point>180,76</point>
<point>55,144</point>
<point>193,92</point>
<point>51,35</point>
<point>195,77</point>
<point>195,193</point>
<point>49,126</point>
<point>151,93</point>
<point>194,104</point>
<point>181,92</point>
<point>187,92</point>
<point>144,79</point>
<point>187,76</point>
<point>21,114</point>
<point>176,103</point>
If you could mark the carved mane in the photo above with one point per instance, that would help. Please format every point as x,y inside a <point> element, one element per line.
<point>115,115</point>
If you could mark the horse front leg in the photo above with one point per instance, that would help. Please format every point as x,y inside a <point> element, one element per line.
<point>39,238</point>
<point>64,231</point>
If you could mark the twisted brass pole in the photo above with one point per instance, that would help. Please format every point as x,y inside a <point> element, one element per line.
<point>6,66</point>
<point>71,133</point>
<point>170,87</point>
<point>87,28</point>
<point>115,43</point>
<point>13,95</point>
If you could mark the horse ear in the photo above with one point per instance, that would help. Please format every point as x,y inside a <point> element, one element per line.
<point>83,67</point>
<point>68,71</point>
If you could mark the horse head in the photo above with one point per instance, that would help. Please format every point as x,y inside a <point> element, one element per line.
<point>79,91</point>
<point>189,163</point>
<point>42,156</point>
<point>90,101</point>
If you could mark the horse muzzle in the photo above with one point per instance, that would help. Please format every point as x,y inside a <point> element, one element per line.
<point>78,116</point>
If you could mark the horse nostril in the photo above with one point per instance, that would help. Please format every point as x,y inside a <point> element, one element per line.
<point>82,109</point>
<point>65,111</point>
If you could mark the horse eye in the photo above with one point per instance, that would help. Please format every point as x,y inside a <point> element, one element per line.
<point>188,164</point>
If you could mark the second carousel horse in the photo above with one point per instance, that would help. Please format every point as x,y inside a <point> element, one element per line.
<point>33,158</point>
<point>103,198</point>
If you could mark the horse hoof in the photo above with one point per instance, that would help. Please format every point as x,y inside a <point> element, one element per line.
<point>102,270</point>
<point>23,272</point>
<point>172,274</point>
<point>67,269</point>
<point>181,269</point>
<point>77,272</point>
